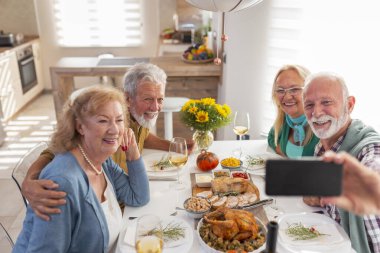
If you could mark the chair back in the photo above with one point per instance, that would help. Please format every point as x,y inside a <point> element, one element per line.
<point>6,242</point>
<point>22,167</point>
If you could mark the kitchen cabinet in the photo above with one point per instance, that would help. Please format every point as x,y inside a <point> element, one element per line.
<point>33,92</point>
<point>12,97</point>
<point>10,85</point>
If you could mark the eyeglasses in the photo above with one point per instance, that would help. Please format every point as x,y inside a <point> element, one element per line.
<point>291,91</point>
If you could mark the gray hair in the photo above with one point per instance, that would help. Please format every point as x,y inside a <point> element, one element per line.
<point>331,76</point>
<point>143,72</point>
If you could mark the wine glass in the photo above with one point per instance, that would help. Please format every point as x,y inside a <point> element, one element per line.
<point>178,157</point>
<point>241,123</point>
<point>149,237</point>
<point>241,127</point>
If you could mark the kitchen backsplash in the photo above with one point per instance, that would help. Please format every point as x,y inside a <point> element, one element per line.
<point>18,16</point>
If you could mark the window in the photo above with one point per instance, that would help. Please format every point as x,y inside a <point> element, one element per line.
<point>98,23</point>
<point>283,48</point>
<point>327,35</point>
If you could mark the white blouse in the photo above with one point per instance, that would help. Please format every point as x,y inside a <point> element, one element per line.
<point>113,215</point>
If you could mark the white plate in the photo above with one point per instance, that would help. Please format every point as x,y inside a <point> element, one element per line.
<point>208,249</point>
<point>336,239</point>
<point>259,169</point>
<point>151,159</point>
<point>181,245</point>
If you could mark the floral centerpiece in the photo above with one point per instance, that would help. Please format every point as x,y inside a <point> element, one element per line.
<point>204,115</point>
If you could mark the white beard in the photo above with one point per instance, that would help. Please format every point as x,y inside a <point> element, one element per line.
<point>336,124</point>
<point>142,121</point>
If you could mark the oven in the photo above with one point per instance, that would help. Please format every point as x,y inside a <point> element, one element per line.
<point>27,68</point>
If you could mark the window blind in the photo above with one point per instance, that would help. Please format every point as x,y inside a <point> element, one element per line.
<point>98,23</point>
<point>284,31</point>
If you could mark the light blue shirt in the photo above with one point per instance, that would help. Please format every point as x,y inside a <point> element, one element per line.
<point>293,151</point>
<point>81,226</point>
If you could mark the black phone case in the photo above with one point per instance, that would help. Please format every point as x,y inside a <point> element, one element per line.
<point>295,177</point>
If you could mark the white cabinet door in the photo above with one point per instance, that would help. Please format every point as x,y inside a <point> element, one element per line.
<point>10,85</point>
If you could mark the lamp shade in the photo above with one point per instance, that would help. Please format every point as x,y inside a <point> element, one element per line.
<point>223,5</point>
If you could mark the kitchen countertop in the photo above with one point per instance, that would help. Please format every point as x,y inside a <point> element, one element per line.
<point>172,65</point>
<point>28,39</point>
<point>63,72</point>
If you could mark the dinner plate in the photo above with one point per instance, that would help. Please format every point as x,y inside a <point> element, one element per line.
<point>151,159</point>
<point>208,249</point>
<point>259,169</point>
<point>334,240</point>
<point>181,245</point>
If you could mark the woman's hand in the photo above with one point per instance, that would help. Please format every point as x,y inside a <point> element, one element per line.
<point>129,145</point>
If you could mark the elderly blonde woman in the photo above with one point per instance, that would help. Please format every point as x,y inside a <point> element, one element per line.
<point>291,135</point>
<point>92,128</point>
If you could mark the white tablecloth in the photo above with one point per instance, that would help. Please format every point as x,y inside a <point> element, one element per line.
<point>164,200</point>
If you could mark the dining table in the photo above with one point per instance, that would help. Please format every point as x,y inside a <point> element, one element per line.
<point>164,199</point>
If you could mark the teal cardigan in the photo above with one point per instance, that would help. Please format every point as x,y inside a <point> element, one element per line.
<point>308,149</point>
<point>358,136</point>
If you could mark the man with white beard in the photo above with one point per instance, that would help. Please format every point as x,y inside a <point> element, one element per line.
<point>144,88</point>
<point>327,106</point>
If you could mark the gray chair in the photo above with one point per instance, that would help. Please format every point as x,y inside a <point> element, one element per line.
<point>6,242</point>
<point>22,167</point>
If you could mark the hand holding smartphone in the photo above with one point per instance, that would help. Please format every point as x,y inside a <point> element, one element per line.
<point>303,177</point>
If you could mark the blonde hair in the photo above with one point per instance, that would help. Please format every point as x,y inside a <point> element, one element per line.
<point>280,118</point>
<point>85,103</point>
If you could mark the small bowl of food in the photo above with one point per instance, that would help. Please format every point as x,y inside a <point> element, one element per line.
<point>203,179</point>
<point>221,173</point>
<point>240,174</point>
<point>231,163</point>
<point>196,207</point>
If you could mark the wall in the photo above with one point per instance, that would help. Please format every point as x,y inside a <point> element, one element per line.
<point>51,52</point>
<point>246,58</point>
<point>18,16</point>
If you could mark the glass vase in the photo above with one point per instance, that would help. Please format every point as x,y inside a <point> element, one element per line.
<point>203,139</point>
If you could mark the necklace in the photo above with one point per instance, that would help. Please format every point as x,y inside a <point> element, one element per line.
<point>98,172</point>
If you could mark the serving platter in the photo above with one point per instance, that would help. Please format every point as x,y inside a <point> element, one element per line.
<point>257,210</point>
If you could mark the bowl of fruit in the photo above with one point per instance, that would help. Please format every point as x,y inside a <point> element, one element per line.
<point>198,53</point>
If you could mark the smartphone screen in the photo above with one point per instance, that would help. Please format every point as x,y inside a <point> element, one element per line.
<point>303,177</point>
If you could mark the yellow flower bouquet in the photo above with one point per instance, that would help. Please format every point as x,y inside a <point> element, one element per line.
<point>205,115</point>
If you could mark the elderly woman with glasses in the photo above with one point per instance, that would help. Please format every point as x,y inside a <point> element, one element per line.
<point>291,135</point>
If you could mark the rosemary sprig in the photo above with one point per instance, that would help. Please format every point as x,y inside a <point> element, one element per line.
<point>255,160</point>
<point>171,232</point>
<point>299,232</point>
<point>162,163</point>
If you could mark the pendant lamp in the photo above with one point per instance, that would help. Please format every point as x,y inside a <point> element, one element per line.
<point>223,5</point>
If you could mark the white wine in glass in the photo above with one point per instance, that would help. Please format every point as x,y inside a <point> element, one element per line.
<point>178,157</point>
<point>241,123</point>
<point>148,237</point>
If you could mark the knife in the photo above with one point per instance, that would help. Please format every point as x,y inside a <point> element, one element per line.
<point>162,179</point>
<point>257,204</point>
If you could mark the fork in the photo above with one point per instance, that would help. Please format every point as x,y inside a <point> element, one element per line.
<point>134,217</point>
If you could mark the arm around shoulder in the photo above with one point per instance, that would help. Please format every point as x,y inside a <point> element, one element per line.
<point>42,194</point>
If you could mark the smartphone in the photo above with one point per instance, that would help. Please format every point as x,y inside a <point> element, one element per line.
<point>303,177</point>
